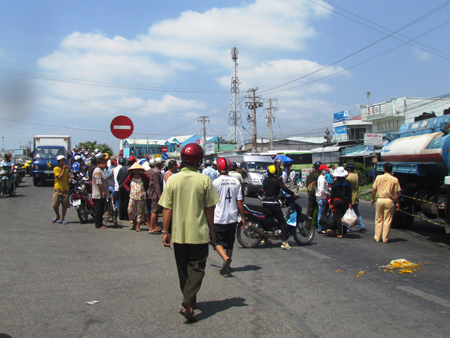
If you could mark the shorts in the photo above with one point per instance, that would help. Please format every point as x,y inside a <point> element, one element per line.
<point>225,235</point>
<point>157,209</point>
<point>60,196</point>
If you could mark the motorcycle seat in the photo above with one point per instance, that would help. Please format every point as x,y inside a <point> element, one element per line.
<point>261,210</point>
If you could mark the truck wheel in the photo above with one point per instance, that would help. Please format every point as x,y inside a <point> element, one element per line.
<point>246,191</point>
<point>35,181</point>
<point>401,221</point>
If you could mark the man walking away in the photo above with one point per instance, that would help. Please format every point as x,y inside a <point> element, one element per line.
<point>189,198</point>
<point>322,194</point>
<point>124,195</point>
<point>209,171</point>
<point>100,192</point>
<point>386,188</point>
<point>226,213</point>
<point>154,191</point>
<point>353,178</point>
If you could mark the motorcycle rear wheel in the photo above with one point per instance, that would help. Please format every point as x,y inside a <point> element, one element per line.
<point>82,212</point>
<point>300,184</point>
<point>304,232</point>
<point>247,237</point>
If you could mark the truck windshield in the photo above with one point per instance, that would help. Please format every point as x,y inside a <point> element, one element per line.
<point>48,152</point>
<point>257,166</point>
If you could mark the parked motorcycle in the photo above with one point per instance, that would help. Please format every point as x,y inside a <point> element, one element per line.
<point>20,174</point>
<point>78,184</point>
<point>81,199</point>
<point>260,224</point>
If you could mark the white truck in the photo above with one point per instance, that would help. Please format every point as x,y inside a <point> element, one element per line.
<point>46,149</point>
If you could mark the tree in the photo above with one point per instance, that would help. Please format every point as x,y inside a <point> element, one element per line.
<point>104,148</point>
<point>221,140</point>
<point>328,138</point>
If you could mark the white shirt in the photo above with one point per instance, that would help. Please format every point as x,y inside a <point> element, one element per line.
<point>322,188</point>
<point>115,173</point>
<point>229,190</point>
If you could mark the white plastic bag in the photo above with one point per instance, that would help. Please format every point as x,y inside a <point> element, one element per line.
<point>350,218</point>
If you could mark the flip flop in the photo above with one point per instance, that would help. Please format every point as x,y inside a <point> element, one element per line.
<point>54,220</point>
<point>225,267</point>
<point>189,316</point>
<point>64,222</point>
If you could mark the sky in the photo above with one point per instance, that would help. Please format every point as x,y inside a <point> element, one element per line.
<point>69,68</point>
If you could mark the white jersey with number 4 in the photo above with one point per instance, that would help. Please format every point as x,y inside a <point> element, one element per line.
<point>229,190</point>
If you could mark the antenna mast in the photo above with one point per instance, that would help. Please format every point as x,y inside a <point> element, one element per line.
<point>234,115</point>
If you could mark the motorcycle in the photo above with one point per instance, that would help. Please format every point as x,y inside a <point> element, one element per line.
<point>260,224</point>
<point>78,184</point>
<point>20,174</point>
<point>5,184</point>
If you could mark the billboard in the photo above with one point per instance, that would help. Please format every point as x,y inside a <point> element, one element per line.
<point>340,134</point>
<point>209,148</point>
<point>339,117</point>
<point>373,139</point>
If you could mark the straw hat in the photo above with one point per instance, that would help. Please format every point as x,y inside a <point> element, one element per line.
<point>340,172</point>
<point>136,166</point>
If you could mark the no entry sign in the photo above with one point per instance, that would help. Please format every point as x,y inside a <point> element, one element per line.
<point>164,149</point>
<point>122,127</point>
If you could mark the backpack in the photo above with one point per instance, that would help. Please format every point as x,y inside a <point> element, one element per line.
<point>311,189</point>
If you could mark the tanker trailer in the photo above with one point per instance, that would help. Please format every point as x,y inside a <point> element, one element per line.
<point>419,154</point>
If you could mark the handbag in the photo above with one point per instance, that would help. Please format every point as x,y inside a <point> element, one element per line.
<point>328,220</point>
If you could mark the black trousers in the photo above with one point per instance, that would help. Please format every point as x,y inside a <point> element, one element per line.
<point>123,206</point>
<point>191,263</point>
<point>340,207</point>
<point>312,205</point>
<point>99,209</point>
<point>278,213</point>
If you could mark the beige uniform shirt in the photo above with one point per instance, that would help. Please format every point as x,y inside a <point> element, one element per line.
<point>386,185</point>
<point>354,182</point>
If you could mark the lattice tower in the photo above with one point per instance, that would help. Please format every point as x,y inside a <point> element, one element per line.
<point>234,115</point>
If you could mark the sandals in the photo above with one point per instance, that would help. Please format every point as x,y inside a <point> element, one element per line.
<point>55,219</point>
<point>64,222</point>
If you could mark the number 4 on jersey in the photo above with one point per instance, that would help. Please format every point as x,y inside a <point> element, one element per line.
<point>228,197</point>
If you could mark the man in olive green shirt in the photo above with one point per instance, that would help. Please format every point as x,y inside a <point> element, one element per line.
<point>353,178</point>
<point>189,199</point>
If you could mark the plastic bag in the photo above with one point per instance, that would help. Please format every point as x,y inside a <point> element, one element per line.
<point>328,220</point>
<point>350,218</point>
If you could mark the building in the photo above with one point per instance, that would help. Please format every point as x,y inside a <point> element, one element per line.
<point>290,143</point>
<point>389,115</point>
<point>345,129</point>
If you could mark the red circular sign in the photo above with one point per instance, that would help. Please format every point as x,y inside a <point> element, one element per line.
<point>122,127</point>
<point>164,149</point>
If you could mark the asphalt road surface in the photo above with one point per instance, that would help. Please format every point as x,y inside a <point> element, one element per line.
<point>49,271</point>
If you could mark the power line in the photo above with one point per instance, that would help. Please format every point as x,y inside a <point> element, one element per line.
<point>364,48</point>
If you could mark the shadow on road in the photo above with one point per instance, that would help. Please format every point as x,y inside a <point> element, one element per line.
<point>212,307</point>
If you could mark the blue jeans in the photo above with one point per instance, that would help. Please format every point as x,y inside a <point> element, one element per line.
<point>355,208</point>
<point>322,208</point>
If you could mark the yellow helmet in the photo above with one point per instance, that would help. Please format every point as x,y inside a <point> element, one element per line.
<point>273,170</point>
<point>106,156</point>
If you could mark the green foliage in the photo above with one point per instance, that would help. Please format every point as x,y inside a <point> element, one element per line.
<point>328,138</point>
<point>104,148</point>
<point>361,170</point>
<point>223,141</point>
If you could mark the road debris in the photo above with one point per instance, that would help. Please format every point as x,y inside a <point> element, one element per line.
<point>92,302</point>
<point>402,266</point>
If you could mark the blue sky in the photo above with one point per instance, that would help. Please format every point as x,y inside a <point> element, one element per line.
<point>71,67</point>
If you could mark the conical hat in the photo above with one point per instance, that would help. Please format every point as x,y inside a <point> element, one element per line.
<point>136,166</point>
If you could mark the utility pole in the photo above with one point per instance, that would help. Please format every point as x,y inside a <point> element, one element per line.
<point>254,103</point>
<point>203,119</point>
<point>269,120</point>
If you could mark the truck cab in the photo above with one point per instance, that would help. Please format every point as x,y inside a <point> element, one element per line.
<point>44,161</point>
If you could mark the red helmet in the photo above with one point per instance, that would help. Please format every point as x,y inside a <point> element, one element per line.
<point>224,165</point>
<point>192,153</point>
<point>131,159</point>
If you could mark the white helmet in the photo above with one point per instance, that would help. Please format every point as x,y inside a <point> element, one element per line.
<point>77,157</point>
<point>96,150</point>
<point>152,162</point>
<point>157,160</point>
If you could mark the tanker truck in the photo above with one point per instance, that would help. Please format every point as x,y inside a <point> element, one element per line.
<point>419,153</point>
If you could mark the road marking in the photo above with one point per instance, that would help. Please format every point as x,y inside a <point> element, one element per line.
<point>425,295</point>
<point>315,254</point>
<point>121,127</point>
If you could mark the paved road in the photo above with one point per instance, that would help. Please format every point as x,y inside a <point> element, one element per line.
<point>48,271</point>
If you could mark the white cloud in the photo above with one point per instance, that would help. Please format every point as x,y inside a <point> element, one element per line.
<point>421,55</point>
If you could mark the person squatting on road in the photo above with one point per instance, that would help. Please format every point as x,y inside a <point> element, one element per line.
<point>322,194</point>
<point>226,213</point>
<point>61,189</point>
<point>386,188</point>
<point>272,186</point>
<point>354,182</point>
<point>341,198</point>
<point>136,184</point>
<point>189,198</point>
<point>100,192</point>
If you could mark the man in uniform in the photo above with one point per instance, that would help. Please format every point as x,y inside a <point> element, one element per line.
<point>189,198</point>
<point>386,188</point>
<point>311,186</point>
<point>354,182</point>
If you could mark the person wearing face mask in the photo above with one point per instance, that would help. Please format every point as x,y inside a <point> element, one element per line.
<point>322,194</point>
